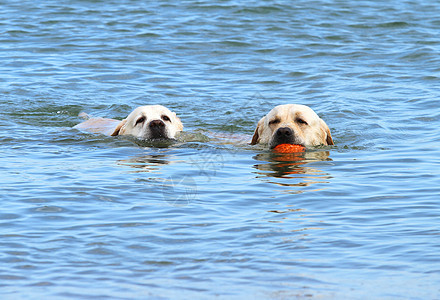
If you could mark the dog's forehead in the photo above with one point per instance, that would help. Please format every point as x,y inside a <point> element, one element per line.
<point>293,111</point>
<point>298,110</point>
<point>150,111</point>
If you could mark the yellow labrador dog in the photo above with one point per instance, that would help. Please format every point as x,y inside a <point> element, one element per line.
<point>145,122</point>
<point>292,124</point>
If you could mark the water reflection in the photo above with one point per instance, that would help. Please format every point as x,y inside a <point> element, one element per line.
<point>295,166</point>
<point>146,163</point>
<point>175,189</point>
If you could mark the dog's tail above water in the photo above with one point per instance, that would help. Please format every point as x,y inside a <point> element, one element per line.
<point>84,115</point>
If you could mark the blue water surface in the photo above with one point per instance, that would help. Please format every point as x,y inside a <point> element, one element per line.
<point>89,216</point>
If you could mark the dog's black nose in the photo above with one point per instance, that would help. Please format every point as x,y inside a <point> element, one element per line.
<point>284,132</point>
<point>156,124</point>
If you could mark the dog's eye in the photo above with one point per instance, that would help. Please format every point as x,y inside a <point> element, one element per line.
<point>140,120</point>
<point>274,121</point>
<point>301,121</point>
<point>166,118</point>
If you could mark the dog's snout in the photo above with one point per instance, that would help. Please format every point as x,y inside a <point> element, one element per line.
<point>283,135</point>
<point>157,124</point>
<point>284,132</point>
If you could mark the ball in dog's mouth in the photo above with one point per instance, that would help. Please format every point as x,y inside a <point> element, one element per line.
<point>288,148</point>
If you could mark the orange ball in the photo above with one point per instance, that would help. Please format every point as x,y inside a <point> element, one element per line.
<point>288,148</point>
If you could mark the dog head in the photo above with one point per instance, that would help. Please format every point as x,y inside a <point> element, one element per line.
<point>292,124</point>
<point>150,122</point>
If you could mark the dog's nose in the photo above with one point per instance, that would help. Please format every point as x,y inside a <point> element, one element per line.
<point>156,124</point>
<point>284,132</point>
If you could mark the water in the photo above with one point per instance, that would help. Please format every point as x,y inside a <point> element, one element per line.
<point>89,216</point>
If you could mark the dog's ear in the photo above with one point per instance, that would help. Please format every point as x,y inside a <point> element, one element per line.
<point>329,138</point>
<point>178,123</point>
<point>328,135</point>
<point>256,137</point>
<point>120,128</point>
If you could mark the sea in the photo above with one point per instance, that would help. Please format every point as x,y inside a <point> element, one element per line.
<point>89,216</point>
